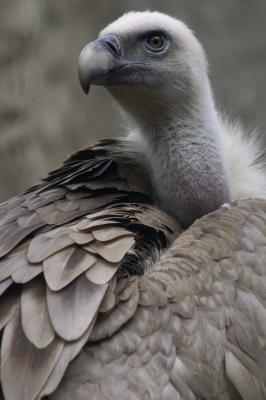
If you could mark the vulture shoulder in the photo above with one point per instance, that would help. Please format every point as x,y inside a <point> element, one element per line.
<point>103,298</point>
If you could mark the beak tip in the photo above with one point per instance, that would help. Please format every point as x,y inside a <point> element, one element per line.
<point>84,82</point>
<point>86,88</point>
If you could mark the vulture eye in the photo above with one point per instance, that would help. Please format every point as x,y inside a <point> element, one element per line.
<point>156,42</point>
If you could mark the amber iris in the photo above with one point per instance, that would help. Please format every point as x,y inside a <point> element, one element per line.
<point>156,42</point>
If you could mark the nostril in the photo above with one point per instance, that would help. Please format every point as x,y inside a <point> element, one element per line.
<point>112,43</point>
<point>113,48</point>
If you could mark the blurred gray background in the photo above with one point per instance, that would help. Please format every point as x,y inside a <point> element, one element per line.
<point>44,115</point>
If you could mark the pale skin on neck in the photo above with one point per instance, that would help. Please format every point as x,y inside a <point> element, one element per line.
<point>181,150</point>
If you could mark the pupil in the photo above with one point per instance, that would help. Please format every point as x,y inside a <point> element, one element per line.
<point>156,41</point>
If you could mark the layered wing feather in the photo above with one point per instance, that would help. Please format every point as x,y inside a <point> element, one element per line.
<point>91,307</point>
<point>62,246</point>
<point>192,327</point>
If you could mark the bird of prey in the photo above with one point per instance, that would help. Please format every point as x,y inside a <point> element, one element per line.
<point>137,270</point>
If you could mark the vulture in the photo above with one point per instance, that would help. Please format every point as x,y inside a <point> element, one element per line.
<point>137,270</point>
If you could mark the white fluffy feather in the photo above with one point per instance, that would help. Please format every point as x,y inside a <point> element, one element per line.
<point>244,158</point>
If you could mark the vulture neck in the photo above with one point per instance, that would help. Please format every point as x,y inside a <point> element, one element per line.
<point>184,156</point>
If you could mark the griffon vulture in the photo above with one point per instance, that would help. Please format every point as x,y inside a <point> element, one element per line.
<point>102,296</point>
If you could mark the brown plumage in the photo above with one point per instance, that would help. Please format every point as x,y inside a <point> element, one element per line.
<point>62,244</point>
<point>101,299</point>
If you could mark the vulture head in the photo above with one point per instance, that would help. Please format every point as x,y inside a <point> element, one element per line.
<point>156,69</point>
<point>151,63</point>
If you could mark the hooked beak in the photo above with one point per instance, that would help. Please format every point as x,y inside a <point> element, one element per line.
<point>97,59</point>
